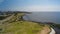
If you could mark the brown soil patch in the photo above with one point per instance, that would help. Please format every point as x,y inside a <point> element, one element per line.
<point>45,30</point>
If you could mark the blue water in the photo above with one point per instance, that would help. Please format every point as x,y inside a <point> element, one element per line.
<point>44,17</point>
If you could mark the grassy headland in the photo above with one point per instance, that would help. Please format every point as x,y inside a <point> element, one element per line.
<point>16,25</point>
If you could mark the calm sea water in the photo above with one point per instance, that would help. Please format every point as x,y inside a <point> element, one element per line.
<point>43,17</point>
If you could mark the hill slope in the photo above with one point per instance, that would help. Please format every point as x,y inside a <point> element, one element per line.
<point>22,27</point>
<point>16,26</point>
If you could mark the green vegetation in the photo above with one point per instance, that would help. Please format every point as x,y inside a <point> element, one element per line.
<point>1,17</point>
<point>22,27</point>
<point>58,25</point>
<point>53,25</point>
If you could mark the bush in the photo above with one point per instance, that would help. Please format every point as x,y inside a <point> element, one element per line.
<point>58,26</point>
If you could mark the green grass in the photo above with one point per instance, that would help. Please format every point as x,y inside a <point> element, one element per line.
<point>22,27</point>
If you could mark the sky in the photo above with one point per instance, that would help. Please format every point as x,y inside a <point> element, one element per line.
<point>29,5</point>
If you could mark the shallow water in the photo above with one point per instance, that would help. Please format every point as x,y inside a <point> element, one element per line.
<point>44,17</point>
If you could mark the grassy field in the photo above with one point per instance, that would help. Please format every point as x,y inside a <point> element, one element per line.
<point>21,27</point>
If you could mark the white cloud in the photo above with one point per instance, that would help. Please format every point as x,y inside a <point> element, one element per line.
<point>36,8</point>
<point>41,8</point>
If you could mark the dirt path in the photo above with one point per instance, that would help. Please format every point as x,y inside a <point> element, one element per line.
<point>45,30</point>
<point>52,31</point>
<point>8,18</point>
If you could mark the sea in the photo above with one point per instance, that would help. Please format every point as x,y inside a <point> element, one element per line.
<point>44,17</point>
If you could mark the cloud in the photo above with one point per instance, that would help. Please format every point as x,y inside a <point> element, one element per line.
<point>35,8</point>
<point>41,8</point>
